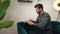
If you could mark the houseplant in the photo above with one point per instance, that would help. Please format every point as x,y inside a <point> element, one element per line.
<point>4,4</point>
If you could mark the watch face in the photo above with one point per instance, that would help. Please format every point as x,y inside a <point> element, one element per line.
<point>56,5</point>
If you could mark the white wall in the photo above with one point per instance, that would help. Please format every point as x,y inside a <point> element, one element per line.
<point>21,11</point>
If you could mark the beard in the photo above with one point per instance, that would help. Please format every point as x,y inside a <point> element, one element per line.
<point>39,12</point>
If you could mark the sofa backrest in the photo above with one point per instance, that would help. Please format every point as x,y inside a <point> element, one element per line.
<point>56,27</point>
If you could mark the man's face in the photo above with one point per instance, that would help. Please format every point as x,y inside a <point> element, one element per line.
<point>38,10</point>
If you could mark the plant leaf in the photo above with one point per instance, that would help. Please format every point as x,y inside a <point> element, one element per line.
<point>6,24</point>
<point>3,7</point>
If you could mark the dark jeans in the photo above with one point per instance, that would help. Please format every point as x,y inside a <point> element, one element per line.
<point>30,29</point>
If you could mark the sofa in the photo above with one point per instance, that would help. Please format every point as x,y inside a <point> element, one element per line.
<point>23,28</point>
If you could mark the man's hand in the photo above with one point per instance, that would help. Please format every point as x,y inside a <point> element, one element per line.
<point>29,22</point>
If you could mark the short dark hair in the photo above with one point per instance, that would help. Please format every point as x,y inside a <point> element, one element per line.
<point>38,6</point>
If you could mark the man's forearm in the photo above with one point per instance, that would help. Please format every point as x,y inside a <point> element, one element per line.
<point>39,25</point>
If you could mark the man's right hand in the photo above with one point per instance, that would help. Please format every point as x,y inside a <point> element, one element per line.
<point>29,22</point>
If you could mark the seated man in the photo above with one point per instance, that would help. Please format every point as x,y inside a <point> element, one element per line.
<point>43,19</point>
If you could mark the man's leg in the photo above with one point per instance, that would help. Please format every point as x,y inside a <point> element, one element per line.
<point>35,30</point>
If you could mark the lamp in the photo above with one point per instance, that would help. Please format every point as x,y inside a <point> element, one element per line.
<point>56,6</point>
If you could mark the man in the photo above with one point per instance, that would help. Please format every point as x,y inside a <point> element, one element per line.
<point>43,18</point>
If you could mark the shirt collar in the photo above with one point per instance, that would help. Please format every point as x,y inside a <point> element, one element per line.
<point>42,13</point>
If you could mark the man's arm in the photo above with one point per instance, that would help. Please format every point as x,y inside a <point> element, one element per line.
<point>44,22</point>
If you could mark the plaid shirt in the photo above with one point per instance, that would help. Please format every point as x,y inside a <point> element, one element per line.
<point>42,20</point>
